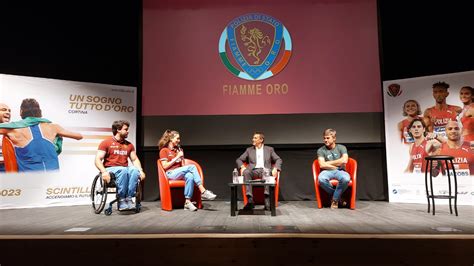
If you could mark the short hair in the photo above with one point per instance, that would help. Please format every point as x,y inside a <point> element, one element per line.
<point>418,112</point>
<point>30,108</point>
<point>329,131</point>
<point>468,88</point>
<point>117,125</point>
<point>454,121</point>
<point>441,84</point>
<point>260,133</point>
<point>413,122</point>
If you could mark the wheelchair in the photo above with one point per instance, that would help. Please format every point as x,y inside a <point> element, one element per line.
<point>99,192</point>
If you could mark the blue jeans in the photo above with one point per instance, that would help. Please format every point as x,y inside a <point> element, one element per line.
<point>190,175</point>
<point>341,176</point>
<point>126,179</point>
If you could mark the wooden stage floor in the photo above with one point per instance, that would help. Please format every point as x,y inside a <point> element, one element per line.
<point>376,233</point>
<point>297,218</point>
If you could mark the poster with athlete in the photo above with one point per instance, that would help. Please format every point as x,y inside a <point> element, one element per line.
<point>51,130</point>
<point>432,115</point>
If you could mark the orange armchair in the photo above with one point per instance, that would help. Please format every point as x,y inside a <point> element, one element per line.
<point>258,195</point>
<point>349,195</point>
<point>172,191</point>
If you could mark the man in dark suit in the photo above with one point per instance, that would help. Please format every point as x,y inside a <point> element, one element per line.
<point>258,157</point>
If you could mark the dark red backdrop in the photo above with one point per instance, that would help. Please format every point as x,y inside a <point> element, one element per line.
<point>334,65</point>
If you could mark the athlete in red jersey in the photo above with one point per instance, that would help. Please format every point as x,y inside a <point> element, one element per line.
<point>112,157</point>
<point>459,149</point>
<point>172,160</point>
<point>411,109</point>
<point>466,117</point>
<point>436,117</point>
<point>424,144</point>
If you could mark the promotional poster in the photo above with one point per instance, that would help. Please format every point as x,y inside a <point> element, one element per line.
<point>85,111</point>
<point>426,116</point>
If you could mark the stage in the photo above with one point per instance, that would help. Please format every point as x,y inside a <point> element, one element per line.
<point>300,234</point>
<point>295,217</point>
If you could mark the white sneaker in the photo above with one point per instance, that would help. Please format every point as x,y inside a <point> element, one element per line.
<point>131,203</point>
<point>190,206</point>
<point>122,205</point>
<point>208,195</point>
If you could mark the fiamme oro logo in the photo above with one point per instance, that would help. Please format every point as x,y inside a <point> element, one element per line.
<point>255,46</point>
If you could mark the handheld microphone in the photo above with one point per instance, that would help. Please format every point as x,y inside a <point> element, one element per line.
<point>179,149</point>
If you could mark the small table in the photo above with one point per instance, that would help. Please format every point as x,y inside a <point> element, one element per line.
<point>430,193</point>
<point>233,195</point>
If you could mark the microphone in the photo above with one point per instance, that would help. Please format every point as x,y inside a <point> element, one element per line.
<point>179,149</point>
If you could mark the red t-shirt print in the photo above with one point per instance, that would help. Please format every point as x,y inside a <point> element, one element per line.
<point>116,153</point>
<point>168,155</point>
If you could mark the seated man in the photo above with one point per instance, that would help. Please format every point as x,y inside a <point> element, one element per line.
<point>112,157</point>
<point>332,158</point>
<point>258,157</point>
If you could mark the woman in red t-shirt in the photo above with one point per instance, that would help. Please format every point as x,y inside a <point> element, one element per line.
<point>411,109</point>
<point>466,117</point>
<point>172,159</point>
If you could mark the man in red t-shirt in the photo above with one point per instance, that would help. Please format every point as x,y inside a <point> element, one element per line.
<point>424,145</point>
<point>437,116</point>
<point>112,157</point>
<point>459,149</point>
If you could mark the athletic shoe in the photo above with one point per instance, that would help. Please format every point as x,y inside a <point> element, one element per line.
<point>190,206</point>
<point>249,206</point>
<point>343,203</point>
<point>208,195</point>
<point>130,203</point>
<point>122,205</point>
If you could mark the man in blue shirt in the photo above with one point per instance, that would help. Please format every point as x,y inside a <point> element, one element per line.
<point>332,160</point>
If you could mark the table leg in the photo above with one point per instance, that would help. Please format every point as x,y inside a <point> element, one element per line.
<point>272,200</point>
<point>449,185</point>
<point>431,186</point>
<point>233,200</point>
<point>455,191</point>
<point>236,202</point>
<point>426,183</point>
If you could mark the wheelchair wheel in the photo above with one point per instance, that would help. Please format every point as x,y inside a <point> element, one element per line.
<point>139,193</point>
<point>108,211</point>
<point>138,197</point>
<point>98,194</point>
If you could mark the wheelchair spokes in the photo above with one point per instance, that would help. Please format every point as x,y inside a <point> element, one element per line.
<point>98,194</point>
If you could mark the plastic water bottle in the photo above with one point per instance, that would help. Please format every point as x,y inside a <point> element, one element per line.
<point>266,172</point>
<point>235,176</point>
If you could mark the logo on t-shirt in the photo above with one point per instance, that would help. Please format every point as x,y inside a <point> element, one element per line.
<point>119,152</point>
